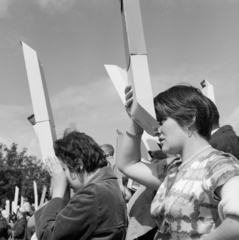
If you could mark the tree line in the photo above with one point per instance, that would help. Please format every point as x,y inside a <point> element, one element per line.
<point>19,169</point>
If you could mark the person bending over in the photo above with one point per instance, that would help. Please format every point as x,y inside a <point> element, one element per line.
<point>97,209</point>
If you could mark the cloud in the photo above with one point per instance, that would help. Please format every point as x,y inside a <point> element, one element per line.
<point>4,6</point>
<point>63,6</point>
<point>55,5</point>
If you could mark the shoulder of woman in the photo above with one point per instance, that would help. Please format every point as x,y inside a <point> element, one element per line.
<point>220,158</point>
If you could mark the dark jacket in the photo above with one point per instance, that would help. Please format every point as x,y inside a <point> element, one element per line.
<point>20,229</point>
<point>97,211</point>
<point>226,140</point>
<point>3,229</point>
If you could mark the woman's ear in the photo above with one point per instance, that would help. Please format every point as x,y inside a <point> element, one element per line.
<point>73,175</point>
<point>192,127</point>
<point>81,165</point>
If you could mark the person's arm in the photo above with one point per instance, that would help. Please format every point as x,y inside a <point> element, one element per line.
<point>77,220</point>
<point>149,175</point>
<point>228,211</point>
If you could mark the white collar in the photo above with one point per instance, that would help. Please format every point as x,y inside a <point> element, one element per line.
<point>213,131</point>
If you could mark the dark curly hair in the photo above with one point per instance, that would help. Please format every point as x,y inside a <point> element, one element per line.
<point>183,103</point>
<point>76,149</point>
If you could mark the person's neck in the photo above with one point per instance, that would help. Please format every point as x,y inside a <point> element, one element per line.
<point>89,176</point>
<point>192,146</point>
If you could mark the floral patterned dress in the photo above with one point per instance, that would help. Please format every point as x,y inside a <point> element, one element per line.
<point>187,208</point>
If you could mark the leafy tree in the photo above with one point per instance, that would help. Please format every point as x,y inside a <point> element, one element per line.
<point>19,169</point>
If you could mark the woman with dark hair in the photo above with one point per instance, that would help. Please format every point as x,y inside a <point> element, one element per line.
<point>97,209</point>
<point>196,197</point>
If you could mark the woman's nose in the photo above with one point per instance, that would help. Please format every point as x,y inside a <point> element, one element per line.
<point>157,132</point>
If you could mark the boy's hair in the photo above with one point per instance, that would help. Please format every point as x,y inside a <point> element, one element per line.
<point>76,149</point>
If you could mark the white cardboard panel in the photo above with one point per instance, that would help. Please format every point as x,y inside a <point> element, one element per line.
<point>44,127</point>
<point>208,90</point>
<point>119,78</point>
<point>46,137</point>
<point>35,194</point>
<point>37,85</point>
<point>133,27</point>
<point>16,195</point>
<point>13,207</point>
<point>142,110</point>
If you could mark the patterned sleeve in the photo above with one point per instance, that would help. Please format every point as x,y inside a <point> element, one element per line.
<point>220,168</point>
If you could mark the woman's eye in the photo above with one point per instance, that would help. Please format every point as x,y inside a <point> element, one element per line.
<point>161,122</point>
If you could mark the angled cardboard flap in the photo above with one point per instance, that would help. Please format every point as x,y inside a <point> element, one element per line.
<point>142,110</point>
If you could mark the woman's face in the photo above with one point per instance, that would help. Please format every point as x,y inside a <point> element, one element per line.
<point>171,136</point>
<point>75,181</point>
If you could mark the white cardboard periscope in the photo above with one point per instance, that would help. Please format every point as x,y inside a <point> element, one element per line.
<point>14,204</point>
<point>43,195</point>
<point>208,90</point>
<point>142,110</point>
<point>35,194</point>
<point>44,127</point>
<point>120,80</point>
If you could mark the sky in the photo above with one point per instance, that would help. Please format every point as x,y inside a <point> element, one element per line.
<point>187,41</point>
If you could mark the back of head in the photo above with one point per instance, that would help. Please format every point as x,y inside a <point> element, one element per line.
<point>216,116</point>
<point>108,149</point>
<point>185,104</point>
<point>76,149</point>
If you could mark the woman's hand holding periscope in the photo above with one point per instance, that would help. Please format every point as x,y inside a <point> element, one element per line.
<point>135,128</point>
<point>58,176</point>
<point>128,98</point>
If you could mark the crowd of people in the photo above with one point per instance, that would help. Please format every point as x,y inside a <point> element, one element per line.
<point>15,226</point>
<point>188,188</point>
